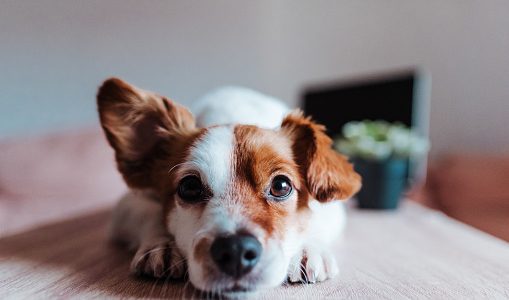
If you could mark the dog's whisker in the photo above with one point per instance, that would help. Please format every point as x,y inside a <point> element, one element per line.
<point>304,273</point>
<point>178,165</point>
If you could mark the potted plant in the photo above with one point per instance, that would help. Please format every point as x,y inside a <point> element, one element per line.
<point>381,152</point>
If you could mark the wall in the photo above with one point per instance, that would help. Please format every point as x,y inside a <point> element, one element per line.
<point>55,53</point>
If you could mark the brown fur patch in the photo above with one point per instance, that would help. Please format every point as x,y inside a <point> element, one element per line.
<point>259,155</point>
<point>328,174</point>
<point>149,133</point>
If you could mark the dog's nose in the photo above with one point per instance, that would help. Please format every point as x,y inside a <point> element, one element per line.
<point>237,254</point>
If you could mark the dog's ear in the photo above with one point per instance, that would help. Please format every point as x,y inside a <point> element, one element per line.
<point>137,124</point>
<point>328,174</point>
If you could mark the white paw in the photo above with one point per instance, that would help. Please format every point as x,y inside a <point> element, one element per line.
<point>312,265</point>
<point>159,258</point>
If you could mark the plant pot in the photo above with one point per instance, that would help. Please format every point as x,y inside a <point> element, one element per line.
<point>383,182</point>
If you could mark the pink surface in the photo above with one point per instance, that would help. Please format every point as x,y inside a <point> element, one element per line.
<point>54,177</point>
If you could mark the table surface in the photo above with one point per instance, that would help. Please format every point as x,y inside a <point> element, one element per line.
<point>413,253</point>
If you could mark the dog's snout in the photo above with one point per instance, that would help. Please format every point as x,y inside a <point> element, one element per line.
<point>236,255</point>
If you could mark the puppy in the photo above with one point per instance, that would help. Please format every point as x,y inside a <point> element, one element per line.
<point>235,207</point>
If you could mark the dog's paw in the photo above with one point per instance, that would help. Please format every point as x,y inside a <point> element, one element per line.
<point>312,265</point>
<point>159,258</point>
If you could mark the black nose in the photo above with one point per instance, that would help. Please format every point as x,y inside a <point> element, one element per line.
<point>237,254</point>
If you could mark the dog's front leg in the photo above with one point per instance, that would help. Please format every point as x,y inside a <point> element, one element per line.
<point>138,222</point>
<point>316,262</point>
<point>313,264</point>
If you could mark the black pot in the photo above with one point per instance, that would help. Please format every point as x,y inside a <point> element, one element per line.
<point>383,182</point>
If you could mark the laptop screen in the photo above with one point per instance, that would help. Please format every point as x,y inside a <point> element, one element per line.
<point>389,98</point>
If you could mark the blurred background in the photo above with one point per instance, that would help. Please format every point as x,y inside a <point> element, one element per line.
<point>54,55</point>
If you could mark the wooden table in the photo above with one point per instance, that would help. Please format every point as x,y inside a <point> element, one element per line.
<point>410,253</point>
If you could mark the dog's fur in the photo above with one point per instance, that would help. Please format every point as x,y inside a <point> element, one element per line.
<point>157,143</point>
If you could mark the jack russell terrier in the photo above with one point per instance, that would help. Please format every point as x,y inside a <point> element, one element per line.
<point>243,196</point>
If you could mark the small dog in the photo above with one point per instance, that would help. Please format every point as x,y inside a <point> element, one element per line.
<point>237,207</point>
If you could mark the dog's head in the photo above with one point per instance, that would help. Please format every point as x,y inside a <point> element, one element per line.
<point>235,196</point>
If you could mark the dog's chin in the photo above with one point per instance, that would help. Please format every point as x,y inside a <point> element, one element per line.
<point>218,284</point>
<point>235,291</point>
<point>228,294</point>
<point>232,291</point>
<point>238,293</point>
<point>231,287</point>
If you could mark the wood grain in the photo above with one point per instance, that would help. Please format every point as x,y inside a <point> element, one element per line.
<point>410,253</point>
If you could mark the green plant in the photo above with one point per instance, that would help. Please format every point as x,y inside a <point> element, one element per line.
<point>380,140</point>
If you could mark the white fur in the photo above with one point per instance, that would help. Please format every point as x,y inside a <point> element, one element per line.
<point>212,157</point>
<point>137,221</point>
<point>320,263</point>
<point>330,215</point>
<point>238,105</point>
<point>136,218</point>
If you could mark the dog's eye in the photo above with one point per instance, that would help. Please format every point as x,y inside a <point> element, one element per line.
<point>190,189</point>
<point>280,187</point>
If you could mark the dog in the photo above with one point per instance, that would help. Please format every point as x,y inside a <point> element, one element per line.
<point>245,196</point>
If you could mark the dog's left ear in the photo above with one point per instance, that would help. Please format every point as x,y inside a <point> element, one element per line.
<point>328,174</point>
<point>141,126</point>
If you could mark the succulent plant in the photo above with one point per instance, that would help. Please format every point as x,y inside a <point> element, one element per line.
<point>380,140</point>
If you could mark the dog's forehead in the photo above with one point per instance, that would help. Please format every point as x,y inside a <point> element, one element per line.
<point>223,151</point>
<point>252,141</point>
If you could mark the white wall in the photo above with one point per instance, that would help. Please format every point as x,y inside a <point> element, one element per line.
<point>53,55</point>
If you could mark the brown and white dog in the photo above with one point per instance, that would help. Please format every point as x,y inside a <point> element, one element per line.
<point>238,207</point>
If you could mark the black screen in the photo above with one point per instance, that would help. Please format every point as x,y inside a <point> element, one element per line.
<point>387,98</point>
